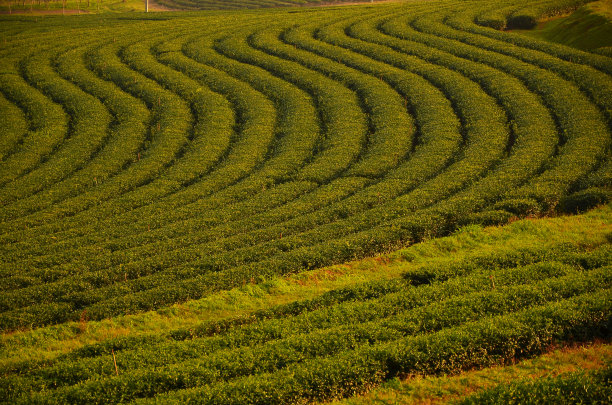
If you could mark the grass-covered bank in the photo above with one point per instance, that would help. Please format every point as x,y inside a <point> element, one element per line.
<point>588,28</point>
<point>558,362</point>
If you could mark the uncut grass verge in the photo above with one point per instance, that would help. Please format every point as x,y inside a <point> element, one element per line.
<point>393,314</point>
<point>575,282</point>
<point>591,387</point>
<point>421,389</point>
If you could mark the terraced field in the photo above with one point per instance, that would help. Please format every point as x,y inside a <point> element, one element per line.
<point>152,160</point>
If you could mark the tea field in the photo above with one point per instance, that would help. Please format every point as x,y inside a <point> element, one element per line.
<point>152,161</point>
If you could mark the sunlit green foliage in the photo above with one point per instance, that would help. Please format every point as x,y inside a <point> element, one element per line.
<point>164,158</point>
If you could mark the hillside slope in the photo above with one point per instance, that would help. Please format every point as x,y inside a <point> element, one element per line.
<point>589,27</point>
<point>158,171</point>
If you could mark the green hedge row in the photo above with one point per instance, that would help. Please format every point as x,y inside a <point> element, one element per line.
<point>14,129</point>
<point>47,127</point>
<point>126,135</point>
<point>573,111</point>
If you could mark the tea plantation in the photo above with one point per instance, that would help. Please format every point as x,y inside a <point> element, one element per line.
<point>153,159</point>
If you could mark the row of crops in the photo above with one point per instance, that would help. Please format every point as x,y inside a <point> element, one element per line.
<point>161,160</point>
<point>485,309</point>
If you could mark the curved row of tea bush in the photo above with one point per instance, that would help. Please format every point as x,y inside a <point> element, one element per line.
<point>277,142</point>
<point>577,155</point>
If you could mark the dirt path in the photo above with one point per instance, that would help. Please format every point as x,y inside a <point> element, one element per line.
<point>155,6</point>
<point>348,3</point>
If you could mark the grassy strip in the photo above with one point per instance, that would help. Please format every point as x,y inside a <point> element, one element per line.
<point>417,389</point>
<point>589,27</point>
<point>572,388</point>
<point>590,229</point>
